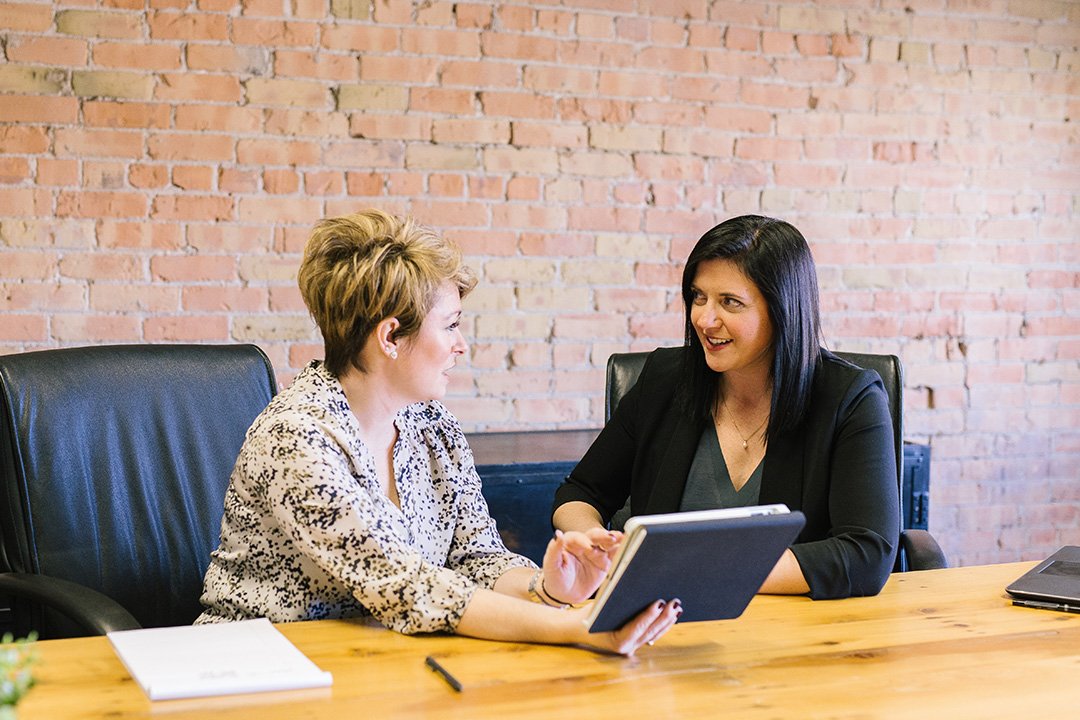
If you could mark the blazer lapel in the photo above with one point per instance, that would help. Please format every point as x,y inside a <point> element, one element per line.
<point>674,466</point>
<point>781,478</point>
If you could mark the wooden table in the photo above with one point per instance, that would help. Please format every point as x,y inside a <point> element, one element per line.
<point>934,644</point>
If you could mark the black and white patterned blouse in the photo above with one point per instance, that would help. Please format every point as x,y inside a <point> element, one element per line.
<point>308,533</point>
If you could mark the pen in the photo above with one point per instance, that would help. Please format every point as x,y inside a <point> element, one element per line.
<point>450,679</point>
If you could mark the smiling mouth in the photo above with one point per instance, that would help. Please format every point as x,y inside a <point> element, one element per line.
<point>715,343</point>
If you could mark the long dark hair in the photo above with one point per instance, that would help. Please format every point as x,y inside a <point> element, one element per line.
<point>775,256</point>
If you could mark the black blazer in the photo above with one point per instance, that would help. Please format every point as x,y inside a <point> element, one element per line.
<point>838,468</point>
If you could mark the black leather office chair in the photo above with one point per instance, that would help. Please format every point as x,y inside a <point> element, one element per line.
<point>918,549</point>
<point>115,461</point>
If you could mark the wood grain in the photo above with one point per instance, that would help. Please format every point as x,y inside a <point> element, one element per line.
<point>941,643</point>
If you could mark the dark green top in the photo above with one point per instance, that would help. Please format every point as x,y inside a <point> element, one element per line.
<point>708,484</point>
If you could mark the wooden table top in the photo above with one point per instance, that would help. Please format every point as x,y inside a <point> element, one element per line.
<point>933,644</point>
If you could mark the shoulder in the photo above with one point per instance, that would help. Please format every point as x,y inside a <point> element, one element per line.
<point>844,381</point>
<point>313,404</point>
<point>664,362</point>
<point>432,422</point>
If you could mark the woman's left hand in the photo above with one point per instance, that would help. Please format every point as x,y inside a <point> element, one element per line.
<point>575,563</point>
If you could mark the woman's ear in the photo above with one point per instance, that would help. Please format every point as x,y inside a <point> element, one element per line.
<point>385,333</point>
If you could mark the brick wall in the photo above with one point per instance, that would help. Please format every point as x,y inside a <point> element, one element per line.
<point>161,163</point>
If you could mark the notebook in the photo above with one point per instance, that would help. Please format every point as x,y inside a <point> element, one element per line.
<point>216,659</point>
<point>1053,584</point>
<point>714,561</point>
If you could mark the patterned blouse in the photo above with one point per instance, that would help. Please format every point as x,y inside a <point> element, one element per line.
<point>307,532</point>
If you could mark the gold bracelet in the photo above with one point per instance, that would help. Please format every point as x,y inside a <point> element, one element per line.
<point>535,594</point>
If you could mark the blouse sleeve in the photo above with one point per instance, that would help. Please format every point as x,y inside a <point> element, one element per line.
<point>477,550</point>
<point>349,534</point>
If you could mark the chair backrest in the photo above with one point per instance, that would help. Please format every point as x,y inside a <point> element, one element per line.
<point>114,468</point>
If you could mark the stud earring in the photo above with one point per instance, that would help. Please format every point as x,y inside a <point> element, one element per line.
<point>393,354</point>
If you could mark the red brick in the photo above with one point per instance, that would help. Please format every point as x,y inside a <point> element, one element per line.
<point>295,93</point>
<point>145,235</point>
<point>23,140</point>
<point>147,176</point>
<point>228,58</point>
<point>193,177</point>
<point>190,146</point>
<point>276,152</point>
<point>324,183</point>
<point>27,17</point>
<point>165,25</point>
<point>14,170</point>
<point>364,183</point>
<point>273,33</point>
<point>57,172</point>
<point>94,328</point>
<point>99,143</point>
<point>305,64</point>
<point>197,328</point>
<point>142,56</point>
<point>293,122</point>
<point>281,182</point>
<point>192,268</point>
<point>484,74</point>
<point>469,130</point>
<point>560,80</point>
<point>101,204</point>
<point>200,88</point>
<point>372,38</point>
<point>667,114</point>
<point>440,42</point>
<point>203,299</point>
<point>133,298</point>
<point>280,210</point>
<point>454,102</point>
<point>47,50</point>
<point>519,47</point>
<point>192,207</point>
<point>126,114</point>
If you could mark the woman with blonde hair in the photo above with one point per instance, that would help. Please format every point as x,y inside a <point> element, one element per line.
<point>355,492</point>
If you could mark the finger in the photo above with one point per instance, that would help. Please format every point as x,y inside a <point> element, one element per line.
<point>634,634</point>
<point>664,622</point>
<point>607,540</point>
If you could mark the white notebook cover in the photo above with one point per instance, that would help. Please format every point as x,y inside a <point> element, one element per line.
<point>188,661</point>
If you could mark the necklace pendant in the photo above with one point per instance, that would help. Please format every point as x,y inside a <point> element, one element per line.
<point>744,446</point>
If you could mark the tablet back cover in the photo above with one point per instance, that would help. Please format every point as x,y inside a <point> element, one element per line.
<point>715,567</point>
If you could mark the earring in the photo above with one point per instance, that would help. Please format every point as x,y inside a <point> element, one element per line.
<point>393,354</point>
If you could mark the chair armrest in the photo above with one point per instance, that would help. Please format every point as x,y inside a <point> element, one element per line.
<point>91,610</point>
<point>922,550</point>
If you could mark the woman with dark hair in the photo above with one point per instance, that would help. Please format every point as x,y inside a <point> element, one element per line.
<point>751,410</point>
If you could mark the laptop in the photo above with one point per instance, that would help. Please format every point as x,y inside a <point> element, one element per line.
<point>714,561</point>
<point>1053,584</point>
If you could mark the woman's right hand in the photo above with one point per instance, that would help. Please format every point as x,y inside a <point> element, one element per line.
<point>645,629</point>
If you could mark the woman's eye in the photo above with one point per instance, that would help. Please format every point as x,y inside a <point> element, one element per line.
<point>454,326</point>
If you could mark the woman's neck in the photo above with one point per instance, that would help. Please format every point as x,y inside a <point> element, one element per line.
<point>746,388</point>
<point>373,406</point>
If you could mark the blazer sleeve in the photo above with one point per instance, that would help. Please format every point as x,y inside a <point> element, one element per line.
<point>860,481</point>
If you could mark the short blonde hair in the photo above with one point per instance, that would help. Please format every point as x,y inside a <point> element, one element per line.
<point>361,269</point>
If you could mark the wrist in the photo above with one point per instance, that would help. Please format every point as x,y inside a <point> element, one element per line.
<point>538,594</point>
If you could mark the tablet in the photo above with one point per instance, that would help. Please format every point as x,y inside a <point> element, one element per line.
<point>713,561</point>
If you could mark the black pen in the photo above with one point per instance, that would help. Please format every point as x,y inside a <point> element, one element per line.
<point>450,679</point>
